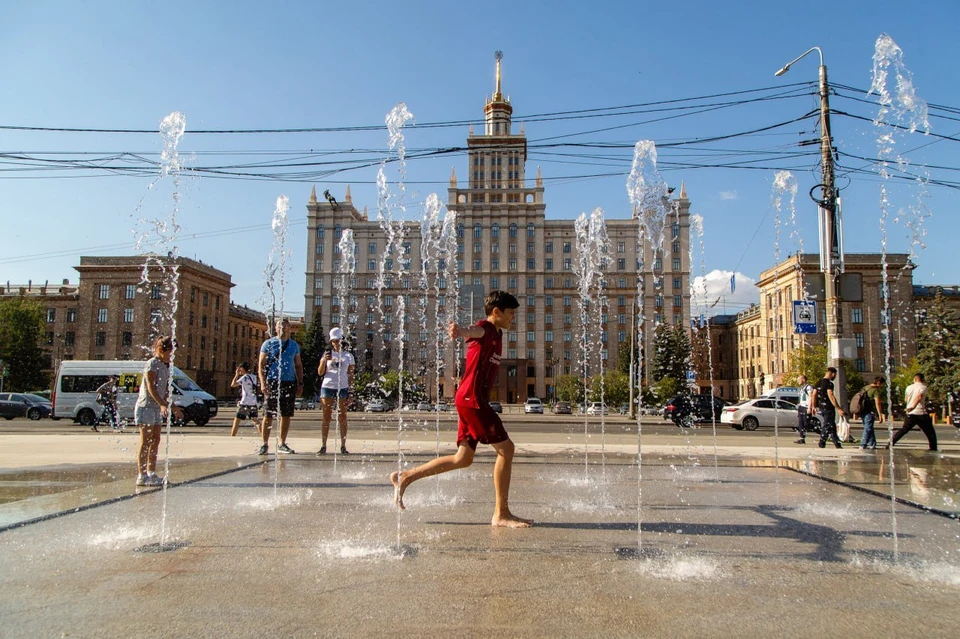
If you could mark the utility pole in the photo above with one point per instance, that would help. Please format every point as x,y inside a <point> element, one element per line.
<point>831,236</point>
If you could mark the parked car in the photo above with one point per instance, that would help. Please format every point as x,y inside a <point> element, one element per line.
<point>649,410</point>
<point>376,406</point>
<point>763,411</point>
<point>424,406</point>
<point>562,408</point>
<point>497,407</point>
<point>685,410</point>
<point>597,408</point>
<point>533,405</point>
<point>26,405</point>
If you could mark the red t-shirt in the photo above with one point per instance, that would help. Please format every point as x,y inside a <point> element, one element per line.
<point>483,364</point>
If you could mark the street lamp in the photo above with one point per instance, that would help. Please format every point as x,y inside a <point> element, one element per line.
<point>831,233</point>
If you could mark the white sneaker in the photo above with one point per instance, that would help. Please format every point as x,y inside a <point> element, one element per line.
<point>142,480</point>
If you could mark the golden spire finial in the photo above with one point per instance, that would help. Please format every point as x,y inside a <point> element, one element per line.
<point>498,97</point>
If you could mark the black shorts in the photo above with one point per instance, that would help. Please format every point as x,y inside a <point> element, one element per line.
<point>286,392</point>
<point>246,412</point>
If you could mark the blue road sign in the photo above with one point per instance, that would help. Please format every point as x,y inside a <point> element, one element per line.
<point>805,317</point>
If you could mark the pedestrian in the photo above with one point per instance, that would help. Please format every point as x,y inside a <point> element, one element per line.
<point>871,411</point>
<point>281,378</point>
<point>915,400</point>
<point>827,407</point>
<point>152,410</point>
<point>247,406</point>
<point>478,423</point>
<point>803,409</point>
<point>336,370</point>
<point>107,397</point>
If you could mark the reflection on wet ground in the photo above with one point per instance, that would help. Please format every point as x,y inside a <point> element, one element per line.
<point>921,478</point>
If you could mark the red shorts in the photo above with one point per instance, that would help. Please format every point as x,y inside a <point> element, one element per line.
<point>479,425</point>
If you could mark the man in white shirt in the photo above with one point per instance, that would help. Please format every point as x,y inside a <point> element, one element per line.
<point>915,398</point>
<point>803,409</point>
<point>336,370</point>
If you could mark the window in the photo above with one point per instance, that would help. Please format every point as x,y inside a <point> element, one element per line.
<point>337,232</point>
<point>531,283</point>
<point>531,264</point>
<point>566,263</point>
<point>477,247</point>
<point>130,291</point>
<point>513,231</point>
<point>548,336</point>
<point>677,283</point>
<point>675,231</point>
<point>859,338</point>
<point>128,315</point>
<point>621,247</point>
<point>856,316</point>
<point>513,283</point>
<point>127,338</point>
<point>495,263</point>
<point>566,247</point>
<point>102,316</point>
<point>676,246</point>
<point>71,315</point>
<point>548,247</point>
<point>531,230</point>
<point>477,231</point>
<point>476,265</point>
<point>156,292</point>
<point>51,314</point>
<point>621,264</point>
<point>678,300</point>
<point>676,263</point>
<point>513,248</point>
<point>69,338</point>
<point>104,292</point>
<point>531,337</point>
<point>101,339</point>
<point>495,230</point>
<point>531,303</point>
<point>319,236</point>
<point>658,264</point>
<point>549,281</point>
<point>513,264</point>
<point>494,283</point>
<point>861,365</point>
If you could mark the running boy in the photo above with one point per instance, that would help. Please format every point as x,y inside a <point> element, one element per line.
<point>478,423</point>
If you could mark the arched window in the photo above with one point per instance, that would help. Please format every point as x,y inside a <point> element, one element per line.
<point>477,231</point>
<point>320,231</point>
<point>495,230</point>
<point>513,230</point>
<point>460,230</point>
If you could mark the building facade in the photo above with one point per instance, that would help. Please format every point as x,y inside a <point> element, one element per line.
<point>503,241</point>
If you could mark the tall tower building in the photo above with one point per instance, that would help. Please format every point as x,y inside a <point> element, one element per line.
<point>504,241</point>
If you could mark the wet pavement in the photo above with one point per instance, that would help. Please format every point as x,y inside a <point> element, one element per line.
<point>303,546</point>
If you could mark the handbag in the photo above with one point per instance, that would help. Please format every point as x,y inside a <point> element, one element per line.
<point>843,428</point>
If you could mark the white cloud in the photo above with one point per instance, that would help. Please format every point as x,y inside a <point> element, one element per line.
<point>728,195</point>
<point>718,300</point>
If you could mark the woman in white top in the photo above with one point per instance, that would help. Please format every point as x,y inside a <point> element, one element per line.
<point>336,369</point>
<point>151,410</point>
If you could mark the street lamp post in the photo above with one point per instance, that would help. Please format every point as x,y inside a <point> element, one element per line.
<point>831,233</point>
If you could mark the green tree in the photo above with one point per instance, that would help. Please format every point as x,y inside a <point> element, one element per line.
<point>364,386</point>
<point>938,349</point>
<point>616,388</point>
<point>312,346</point>
<point>902,378</point>
<point>390,382</point>
<point>672,352</point>
<point>569,388</point>
<point>667,387</point>
<point>812,362</point>
<point>21,328</point>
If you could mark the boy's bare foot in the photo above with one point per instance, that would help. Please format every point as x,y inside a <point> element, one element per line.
<point>510,521</point>
<point>398,489</point>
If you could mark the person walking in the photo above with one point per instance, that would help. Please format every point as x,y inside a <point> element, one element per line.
<point>152,409</point>
<point>871,412</point>
<point>281,378</point>
<point>915,400</point>
<point>247,406</point>
<point>827,407</point>
<point>803,408</point>
<point>478,422</point>
<point>336,370</point>
<point>107,397</point>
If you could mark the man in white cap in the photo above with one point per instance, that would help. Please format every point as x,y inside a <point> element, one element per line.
<point>336,369</point>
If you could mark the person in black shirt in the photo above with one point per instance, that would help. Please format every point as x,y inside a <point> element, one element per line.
<point>827,407</point>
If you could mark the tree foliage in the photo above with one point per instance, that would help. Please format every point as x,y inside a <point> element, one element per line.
<point>569,388</point>
<point>21,329</point>
<point>616,388</point>
<point>672,352</point>
<point>667,387</point>
<point>312,346</point>
<point>812,362</point>
<point>938,349</point>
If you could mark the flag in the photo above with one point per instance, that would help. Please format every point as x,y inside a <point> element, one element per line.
<point>733,282</point>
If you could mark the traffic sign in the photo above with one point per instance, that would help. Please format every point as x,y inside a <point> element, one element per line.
<point>805,317</point>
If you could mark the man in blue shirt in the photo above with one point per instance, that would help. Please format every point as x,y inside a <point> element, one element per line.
<point>281,378</point>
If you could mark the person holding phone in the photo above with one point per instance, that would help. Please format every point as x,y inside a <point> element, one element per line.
<point>336,370</point>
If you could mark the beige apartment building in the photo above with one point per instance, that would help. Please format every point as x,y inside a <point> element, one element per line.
<point>504,240</point>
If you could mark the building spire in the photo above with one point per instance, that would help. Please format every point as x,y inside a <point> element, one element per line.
<point>539,178</point>
<point>347,199</point>
<point>313,194</point>
<point>683,191</point>
<point>453,178</point>
<point>497,96</point>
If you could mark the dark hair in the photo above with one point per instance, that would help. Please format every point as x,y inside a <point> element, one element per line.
<point>501,300</point>
<point>831,369</point>
<point>245,366</point>
<point>162,344</point>
<point>878,380</point>
<point>919,376</point>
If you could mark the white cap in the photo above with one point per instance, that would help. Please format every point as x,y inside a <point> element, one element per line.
<point>336,333</point>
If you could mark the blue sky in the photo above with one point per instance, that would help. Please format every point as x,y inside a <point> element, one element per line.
<point>246,65</point>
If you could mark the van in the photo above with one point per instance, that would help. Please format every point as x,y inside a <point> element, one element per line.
<point>75,392</point>
<point>786,393</point>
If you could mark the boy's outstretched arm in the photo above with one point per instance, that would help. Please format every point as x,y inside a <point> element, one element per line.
<point>470,332</point>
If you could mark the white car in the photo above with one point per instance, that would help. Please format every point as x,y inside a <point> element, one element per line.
<point>533,405</point>
<point>597,408</point>
<point>763,411</point>
<point>376,406</point>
